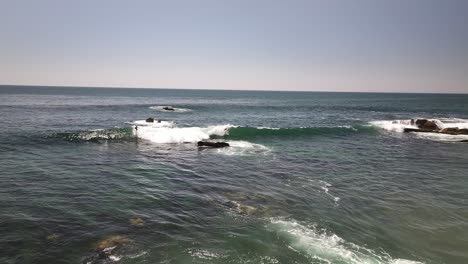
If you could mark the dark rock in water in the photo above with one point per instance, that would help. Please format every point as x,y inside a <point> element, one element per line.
<point>420,122</point>
<point>430,125</point>
<point>406,130</point>
<point>463,131</point>
<point>464,141</point>
<point>450,130</point>
<point>212,144</point>
<point>168,108</point>
<point>150,120</point>
<point>426,124</point>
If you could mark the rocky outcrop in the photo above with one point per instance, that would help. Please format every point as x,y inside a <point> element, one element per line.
<point>168,108</point>
<point>431,126</point>
<point>150,120</point>
<point>212,144</point>
<point>427,124</point>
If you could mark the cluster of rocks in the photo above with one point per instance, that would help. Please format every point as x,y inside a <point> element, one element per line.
<point>431,126</point>
<point>151,120</point>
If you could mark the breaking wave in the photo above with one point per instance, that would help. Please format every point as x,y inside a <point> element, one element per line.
<point>326,247</point>
<point>169,132</point>
<point>179,134</point>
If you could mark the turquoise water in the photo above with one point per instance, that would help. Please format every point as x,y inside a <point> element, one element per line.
<point>309,177</point>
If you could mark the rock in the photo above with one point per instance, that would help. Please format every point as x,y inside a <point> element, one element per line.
<point>212,144</point>
<point>150,120</point>
<point>406,130</point>
<point>420,122</point>
<point>450,130</point>
<point>168,108</point>
<point>430,125</point>
<point>454,131</point>
<point>426,124</point>
<point>111,242</point>
<point>137,221</point>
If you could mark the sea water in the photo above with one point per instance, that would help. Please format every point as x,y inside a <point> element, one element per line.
<point>308,178</point>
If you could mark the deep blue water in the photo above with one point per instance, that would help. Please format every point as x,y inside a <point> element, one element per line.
<point>309,177</point>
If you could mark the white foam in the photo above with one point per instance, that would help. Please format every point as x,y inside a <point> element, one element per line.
<point>395,125</point>
<point>326,190</point>
<point>454,122</point>
<point>442,137</point>
<point>115,258</point>
<point>203,254</point>
<point>241,148</point>
<point>176,109</point>
<point>179,134</point>
<point>327,247</point>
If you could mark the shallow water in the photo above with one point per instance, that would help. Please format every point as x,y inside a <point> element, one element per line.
<point>310,177</point>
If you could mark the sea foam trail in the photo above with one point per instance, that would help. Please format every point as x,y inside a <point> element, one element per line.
<point>240,148</point>
<point>326,247</point>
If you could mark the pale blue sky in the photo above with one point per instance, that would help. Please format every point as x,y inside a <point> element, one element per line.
<point>360,45</point>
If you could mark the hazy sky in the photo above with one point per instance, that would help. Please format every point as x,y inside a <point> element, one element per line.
<point>348,45</point>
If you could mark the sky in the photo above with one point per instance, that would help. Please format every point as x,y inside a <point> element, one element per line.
<point>310,45</point>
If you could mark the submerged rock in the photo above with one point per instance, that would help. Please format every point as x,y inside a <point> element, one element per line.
<point>168,108</point>
<point>104,250</point>
<point>240,208</point>
<point>150,120</point>
<point>111,242</point>
<point>52,237</point>
<point>137,221</point>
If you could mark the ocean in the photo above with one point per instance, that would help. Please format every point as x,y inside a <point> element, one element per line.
<point>309,177</point>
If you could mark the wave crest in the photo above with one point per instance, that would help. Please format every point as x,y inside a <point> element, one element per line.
<point>250,132</point>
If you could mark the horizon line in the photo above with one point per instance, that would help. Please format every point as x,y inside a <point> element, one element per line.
<point>220,89</point>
